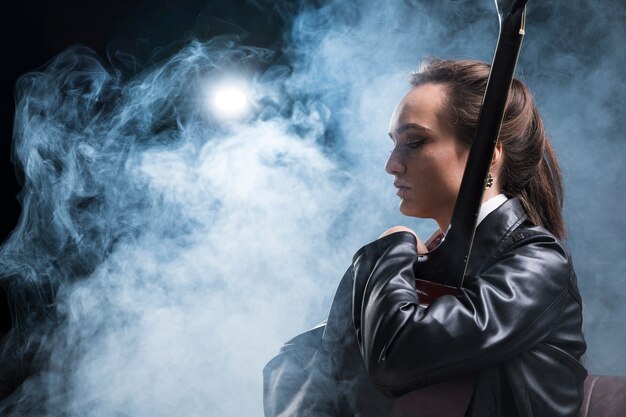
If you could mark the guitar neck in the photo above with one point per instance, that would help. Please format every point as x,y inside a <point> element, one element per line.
<point>447,263</point>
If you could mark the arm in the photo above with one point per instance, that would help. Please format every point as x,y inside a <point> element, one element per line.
<point>503,311</point>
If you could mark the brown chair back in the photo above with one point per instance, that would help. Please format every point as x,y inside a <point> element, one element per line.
<point>605,396</point>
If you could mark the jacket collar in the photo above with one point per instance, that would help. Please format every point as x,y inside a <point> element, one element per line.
<point>497,226</point>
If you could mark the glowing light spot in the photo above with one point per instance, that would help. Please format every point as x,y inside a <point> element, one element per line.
<point>231,101</point>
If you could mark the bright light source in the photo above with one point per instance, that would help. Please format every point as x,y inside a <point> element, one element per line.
<point>230,101</point>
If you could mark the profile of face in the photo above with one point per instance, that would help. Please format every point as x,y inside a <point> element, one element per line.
<point>427,160</point>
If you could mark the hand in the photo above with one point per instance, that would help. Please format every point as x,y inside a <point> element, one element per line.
<point>421,247</point>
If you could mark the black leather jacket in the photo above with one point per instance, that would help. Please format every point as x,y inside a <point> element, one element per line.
<point>516,328</point>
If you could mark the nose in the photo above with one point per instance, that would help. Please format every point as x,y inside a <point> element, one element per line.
<point>395,164</point>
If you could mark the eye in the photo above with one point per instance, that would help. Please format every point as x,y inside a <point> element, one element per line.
<point>409,145</point>
<point>415,144</point>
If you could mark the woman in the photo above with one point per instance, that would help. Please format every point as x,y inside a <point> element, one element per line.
<point>513,337</point>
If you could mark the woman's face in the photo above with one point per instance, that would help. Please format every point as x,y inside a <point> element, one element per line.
<point>427,160</point>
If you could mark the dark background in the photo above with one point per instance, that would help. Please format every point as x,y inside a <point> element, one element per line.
<point>35,32</point>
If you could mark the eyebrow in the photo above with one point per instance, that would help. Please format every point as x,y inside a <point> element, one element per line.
<point>408,126</point>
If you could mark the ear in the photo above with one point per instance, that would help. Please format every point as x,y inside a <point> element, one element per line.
<point>497,159</point>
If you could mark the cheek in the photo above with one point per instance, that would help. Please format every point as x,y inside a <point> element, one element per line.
<point>439,175</point>
<point>452,166</point>
<point>429,182</point>
<point>459,166</point>
<point>453,176</point>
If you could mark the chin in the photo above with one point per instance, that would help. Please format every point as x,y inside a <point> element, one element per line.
<point>409,210</point>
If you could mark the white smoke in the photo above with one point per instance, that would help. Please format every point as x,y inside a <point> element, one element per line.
<point>181,251</point>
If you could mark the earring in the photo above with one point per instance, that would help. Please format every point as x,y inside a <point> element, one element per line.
<point>489,182</point>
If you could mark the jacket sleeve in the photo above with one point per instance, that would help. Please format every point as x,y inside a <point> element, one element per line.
<point>504,310</point>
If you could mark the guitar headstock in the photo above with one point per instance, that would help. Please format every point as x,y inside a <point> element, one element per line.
<point>512,16</point>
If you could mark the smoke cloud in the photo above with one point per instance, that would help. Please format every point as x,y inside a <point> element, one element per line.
<point>164,255</point>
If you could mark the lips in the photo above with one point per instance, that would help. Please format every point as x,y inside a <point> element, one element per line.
<point>401,188</point>
<point>401,192</point>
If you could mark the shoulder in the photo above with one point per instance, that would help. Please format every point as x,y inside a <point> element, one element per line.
<point>535,240</point>
<point>527,234</point>
<point>506,235</point>
<point>532,258</point>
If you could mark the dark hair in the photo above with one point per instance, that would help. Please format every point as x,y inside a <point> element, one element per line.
<point>530,170</point>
